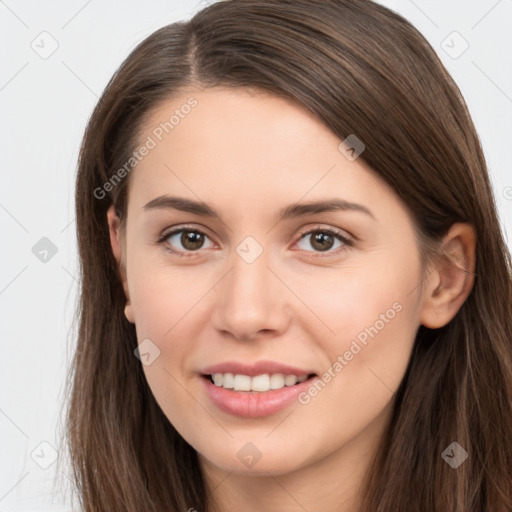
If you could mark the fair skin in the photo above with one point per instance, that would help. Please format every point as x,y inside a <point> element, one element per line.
<point>249,156</point>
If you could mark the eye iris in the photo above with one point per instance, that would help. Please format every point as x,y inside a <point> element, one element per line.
<point>324,241</point>
<point>192,240</point>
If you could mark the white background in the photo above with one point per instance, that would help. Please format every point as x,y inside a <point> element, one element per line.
<point>45,104</point>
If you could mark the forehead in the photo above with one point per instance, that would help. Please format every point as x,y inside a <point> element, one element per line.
<point>251,119</point>
<point>247,148</point>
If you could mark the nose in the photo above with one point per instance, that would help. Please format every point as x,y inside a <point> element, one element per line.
<point>252,303</point>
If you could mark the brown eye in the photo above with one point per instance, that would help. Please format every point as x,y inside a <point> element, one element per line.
<point>192,240</point>
<point>184,240</point>
<point>323,240</point>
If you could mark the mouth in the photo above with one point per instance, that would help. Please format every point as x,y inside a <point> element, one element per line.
<point>254,396</point>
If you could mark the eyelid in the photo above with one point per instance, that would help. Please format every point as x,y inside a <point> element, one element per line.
<point>345,237</point>
<point>176,229</point>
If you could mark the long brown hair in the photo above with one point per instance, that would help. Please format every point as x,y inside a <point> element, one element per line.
<point>361,69</point>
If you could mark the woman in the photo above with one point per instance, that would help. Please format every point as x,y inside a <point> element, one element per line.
<point>295,291</point>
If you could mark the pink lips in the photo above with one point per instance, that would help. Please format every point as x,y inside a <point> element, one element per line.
<point>258,368</point>
<point>251,404</point>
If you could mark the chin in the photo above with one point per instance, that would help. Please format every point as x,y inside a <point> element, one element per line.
<point>250,461</point>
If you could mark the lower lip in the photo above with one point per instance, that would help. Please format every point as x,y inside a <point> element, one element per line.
<point>254,404</point>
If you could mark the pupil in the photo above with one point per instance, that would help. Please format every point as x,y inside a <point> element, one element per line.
<point>321,239</point>
<point>192,240</point>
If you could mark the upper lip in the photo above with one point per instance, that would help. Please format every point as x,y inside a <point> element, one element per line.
<point>257,368</point>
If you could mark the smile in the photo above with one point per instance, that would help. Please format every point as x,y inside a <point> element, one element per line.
<point>255,389</point>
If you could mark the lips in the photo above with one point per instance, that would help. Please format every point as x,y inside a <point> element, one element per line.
<point>258,368</point>
<point>254,404</point>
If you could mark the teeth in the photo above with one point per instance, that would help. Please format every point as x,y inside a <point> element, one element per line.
<point>277,381</point>
<point>290,380</point>
<point>242,382</point>
<point>260,383</point>
<point>229,380</point>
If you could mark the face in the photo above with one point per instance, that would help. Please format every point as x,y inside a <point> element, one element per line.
<point>259,288</point>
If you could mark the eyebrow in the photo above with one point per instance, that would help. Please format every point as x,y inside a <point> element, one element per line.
<point>289,212</point>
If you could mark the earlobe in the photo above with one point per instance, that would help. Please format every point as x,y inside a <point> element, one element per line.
<point>451,281</point>
<point>114,224</point>
<point>128,313</point>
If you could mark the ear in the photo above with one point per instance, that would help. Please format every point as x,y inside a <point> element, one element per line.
<point>117,244</point>
<point>451,279</point>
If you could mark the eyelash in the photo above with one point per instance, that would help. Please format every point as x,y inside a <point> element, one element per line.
<point>187,254</point>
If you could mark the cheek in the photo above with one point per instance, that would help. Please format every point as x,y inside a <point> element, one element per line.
<point>374,316</point>
<point>167,312</point>
<point>360,301</point>
<point>370,317</point>
<point>162,296</point>
<point>168,306</point>
<point>365,371</point>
